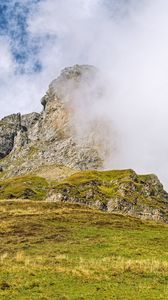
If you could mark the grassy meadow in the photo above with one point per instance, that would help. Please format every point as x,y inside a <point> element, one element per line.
<point>69,252</point>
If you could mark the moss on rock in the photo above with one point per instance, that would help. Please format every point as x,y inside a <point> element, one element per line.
<point>116,190</point>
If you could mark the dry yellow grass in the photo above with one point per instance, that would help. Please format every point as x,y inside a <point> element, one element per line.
<point>99,268</point>
<point>54,172</point>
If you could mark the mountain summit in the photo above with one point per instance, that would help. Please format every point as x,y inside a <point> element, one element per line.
<point>63,133</point>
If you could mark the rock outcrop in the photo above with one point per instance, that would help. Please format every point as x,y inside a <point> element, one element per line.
<point>117,191</point>
<point>9,126</point>
<point>58,134</point>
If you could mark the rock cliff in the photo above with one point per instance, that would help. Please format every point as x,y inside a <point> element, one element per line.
<point>9,127</point>
<point>59,134</point>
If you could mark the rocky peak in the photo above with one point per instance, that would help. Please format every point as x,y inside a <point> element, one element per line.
<point>68,101</point>
<point>61,133</point>
<point>70,81</point>
<point>13,119</point>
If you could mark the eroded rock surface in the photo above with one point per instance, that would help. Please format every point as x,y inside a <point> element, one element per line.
<point>117,191</point>
<point>60,133</point>
<point>9,126</point>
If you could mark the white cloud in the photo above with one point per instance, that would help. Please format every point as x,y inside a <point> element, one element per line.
<point>6,62</point>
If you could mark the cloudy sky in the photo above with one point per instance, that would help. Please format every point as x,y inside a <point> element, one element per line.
<point>39,37</point>
<point>126,39</point>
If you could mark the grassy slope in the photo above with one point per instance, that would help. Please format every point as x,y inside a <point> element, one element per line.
<point>64,251</point>
<point>26,187</point>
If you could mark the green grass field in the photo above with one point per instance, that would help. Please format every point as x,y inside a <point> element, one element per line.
<point>69,252</point>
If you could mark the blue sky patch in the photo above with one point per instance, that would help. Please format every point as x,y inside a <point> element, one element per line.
<point>13,24</point>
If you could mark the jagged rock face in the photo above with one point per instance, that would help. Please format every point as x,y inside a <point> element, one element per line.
<point>69,111</point>
<point>29,120</point>
<point>60,134</point>
<point>118,191</point>
<point>68,101</point>
<point>9,126</point>
<point>13,129</point>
